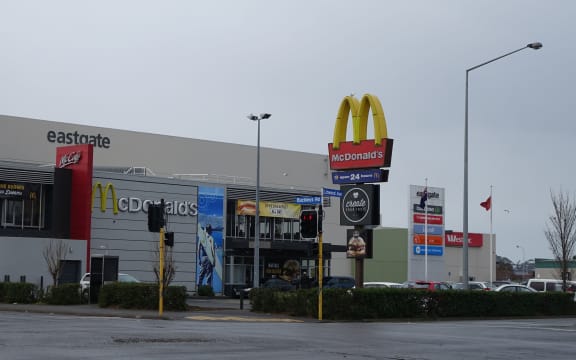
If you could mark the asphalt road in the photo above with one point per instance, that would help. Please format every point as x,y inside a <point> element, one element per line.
<point>206,335</point>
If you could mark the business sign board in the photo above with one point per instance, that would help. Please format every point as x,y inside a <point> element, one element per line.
<point>360,153</point>
<point>360,205</point>
<point>360,176</point>
<point>426,240</point>
<point>456,239</point>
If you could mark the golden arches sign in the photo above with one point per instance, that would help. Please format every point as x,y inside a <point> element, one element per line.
<point>104,195</point>
<point>361,152</point>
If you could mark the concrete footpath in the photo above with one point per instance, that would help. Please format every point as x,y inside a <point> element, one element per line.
<point>199,308</point>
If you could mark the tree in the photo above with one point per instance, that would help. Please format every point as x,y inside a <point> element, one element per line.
<point>169,265</point>
<point>561,231</point>
<point>55,253</point>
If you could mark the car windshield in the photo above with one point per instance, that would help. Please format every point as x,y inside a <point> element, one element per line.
<point>127,278</point>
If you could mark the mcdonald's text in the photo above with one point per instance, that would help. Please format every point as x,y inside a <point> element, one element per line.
<point>365,154</point>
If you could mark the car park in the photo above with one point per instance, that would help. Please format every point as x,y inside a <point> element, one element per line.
<point>515,288</point>
<point>381,284</point>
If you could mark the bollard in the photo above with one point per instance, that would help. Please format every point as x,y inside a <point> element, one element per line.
<point>241,299</point>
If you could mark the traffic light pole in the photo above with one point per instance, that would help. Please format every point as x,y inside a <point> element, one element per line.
<point>161,270</point>
<point>320,260</point>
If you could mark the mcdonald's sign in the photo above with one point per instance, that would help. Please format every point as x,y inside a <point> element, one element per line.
<point>104,195</point>
<point>361,152</point>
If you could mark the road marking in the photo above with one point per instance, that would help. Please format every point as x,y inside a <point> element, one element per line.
<point>240,318</point>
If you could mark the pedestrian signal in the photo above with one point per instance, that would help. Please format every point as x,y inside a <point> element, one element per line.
<point>308,224</point>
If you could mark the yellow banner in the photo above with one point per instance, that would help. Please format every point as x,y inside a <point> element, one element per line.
<point>268,209</point>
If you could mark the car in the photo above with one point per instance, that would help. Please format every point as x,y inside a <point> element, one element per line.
<point>515,288</point>
<point>338,282</point>
<point>544,285</point>
<point>426,285</point>
<point>381,284</point>
<point>474,285</point>
<point>273,283</point>
<point>85,280</point>
<point>497,283</point>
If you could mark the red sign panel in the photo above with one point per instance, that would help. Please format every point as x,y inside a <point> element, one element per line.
<point>365,154</point>
<point>420,239</point>
<point>432,219</point>
<point>79,159</point>
<point>455,239</point>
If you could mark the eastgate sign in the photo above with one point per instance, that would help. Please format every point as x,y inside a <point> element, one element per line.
<point>69,138</point>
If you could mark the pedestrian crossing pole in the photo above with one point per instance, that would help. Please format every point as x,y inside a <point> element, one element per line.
<point>320,259</point>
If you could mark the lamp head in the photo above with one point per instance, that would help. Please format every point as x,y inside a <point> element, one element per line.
<point>535,45</point>
<point>265,116</point>
<point>252,117</point>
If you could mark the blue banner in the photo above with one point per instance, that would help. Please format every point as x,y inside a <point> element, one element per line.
<point>432,229</point>
<point>432,250</point>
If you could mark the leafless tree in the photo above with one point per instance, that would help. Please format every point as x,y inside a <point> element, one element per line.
<point>169,265</point>
<point>561,231</point>
<point>55,253</point>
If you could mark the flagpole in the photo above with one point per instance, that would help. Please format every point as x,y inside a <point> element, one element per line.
<point>426,233</point>
<point>491,240</point>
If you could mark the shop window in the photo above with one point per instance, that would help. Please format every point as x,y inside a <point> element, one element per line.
<point>22,213</point>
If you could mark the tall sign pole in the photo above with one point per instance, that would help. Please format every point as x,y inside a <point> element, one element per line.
<point>161,270</point>
<point>320,259</point>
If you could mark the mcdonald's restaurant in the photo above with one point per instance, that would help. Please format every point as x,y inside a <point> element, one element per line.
<point>89,189</point>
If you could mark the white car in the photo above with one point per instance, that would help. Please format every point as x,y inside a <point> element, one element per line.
<point>85,280</point>
<point>515,288</point>
<point>382,284</point>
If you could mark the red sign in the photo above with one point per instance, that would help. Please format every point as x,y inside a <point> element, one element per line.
<point>79,159</point>
<point>365,154</point>
<point>455,239</point>
<point>420,239</point>
<point>432,219</point>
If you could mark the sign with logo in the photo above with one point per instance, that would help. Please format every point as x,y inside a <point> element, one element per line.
<point>456,239</point>
<point>19,191</point>
<point>428,250</point>
<point>360,176</point>
<point>79,159</point>
<point>269,209</point>
<point>419,239</point>
<point>431,229</point>
<point>360,205</point>
<point>360,153</point>
<point>103,192</point>
<point>432,219</point>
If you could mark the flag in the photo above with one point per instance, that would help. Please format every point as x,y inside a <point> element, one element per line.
<point>424,198</point>
<point>487,204</point>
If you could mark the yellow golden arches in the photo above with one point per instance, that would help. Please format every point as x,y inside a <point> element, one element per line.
<point>104,195</point>
<point>360,110</point>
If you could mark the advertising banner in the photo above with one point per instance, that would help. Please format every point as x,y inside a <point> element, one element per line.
<point>269,209</point>
<point>210,245</point>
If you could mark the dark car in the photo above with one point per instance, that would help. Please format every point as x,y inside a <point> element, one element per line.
<point>274,283</point>
<point>338,282</point>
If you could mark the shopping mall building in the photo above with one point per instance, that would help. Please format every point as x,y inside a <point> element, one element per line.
<point>94,198</point>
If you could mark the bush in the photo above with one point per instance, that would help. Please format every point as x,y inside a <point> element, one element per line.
<point>23,293</point>
<point>205,290</point>
<point>65,294</point>
<point>141,296</point>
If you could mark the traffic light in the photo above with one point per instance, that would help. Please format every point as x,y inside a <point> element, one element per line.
<point>169,238</point>
<point>155,217</point>
<point>308,224</point>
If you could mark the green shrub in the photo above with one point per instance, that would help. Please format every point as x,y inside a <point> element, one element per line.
<point>141,296</point>
<point>23,293</point>
<point>64,294</point>
<point>205,290</point>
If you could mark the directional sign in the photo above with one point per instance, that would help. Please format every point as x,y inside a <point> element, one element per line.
<point>331,192</point>
<point>360,176</point>
<point>309,200</point>
<point>432,250</point>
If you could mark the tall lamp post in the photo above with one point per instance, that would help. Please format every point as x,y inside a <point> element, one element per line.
<point>534,46</point>
<point>256,282</point>
<point>523,261</point>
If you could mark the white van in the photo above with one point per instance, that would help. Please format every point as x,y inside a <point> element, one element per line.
<point>548,284</point>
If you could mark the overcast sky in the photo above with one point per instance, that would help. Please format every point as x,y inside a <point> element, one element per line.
<point>197,68</point>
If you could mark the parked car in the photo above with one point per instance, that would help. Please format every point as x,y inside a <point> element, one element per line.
<point>474,285</point>
<point>85,280</point>
<point>426,285</point>
<point>381,284</point>
<point>338,282</point>
<point>543,285</point>
<point>515,288</point>
<point>274,283</point>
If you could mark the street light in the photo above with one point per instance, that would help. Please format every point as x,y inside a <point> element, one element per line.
<point>256,282</point>
<point>534,46</point>
<point>523,261</point>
